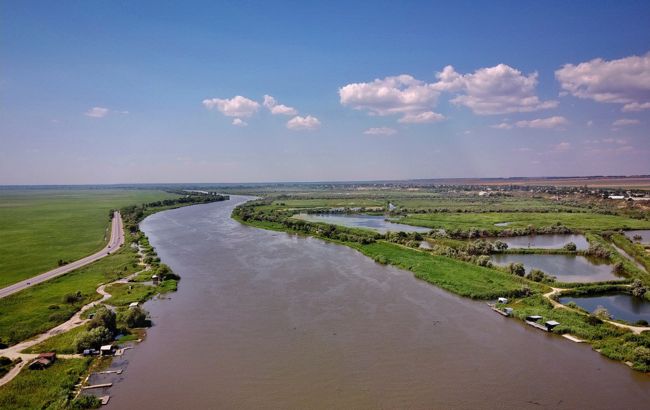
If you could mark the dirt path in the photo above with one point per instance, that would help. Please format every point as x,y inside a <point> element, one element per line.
<point>15,351</point>
<point>635,329</point>
<point>116,241</point>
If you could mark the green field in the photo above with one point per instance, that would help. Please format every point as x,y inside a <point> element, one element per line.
<point>39,227</point>
<point>43,389</point>
<point>487,220</point>
<point>41,307</point>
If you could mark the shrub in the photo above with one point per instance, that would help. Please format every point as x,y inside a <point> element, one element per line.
<point>92,339</point>
<point>602,313</point>
<point>105,318</point>
<point>638,289</point>
<point>72,298</point>
<point>570,247</point>
<point>135,317</point>
<point>517,269</point>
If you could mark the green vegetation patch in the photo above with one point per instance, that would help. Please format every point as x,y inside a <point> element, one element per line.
<point>123,294</point>
<point>50,388</point>
<point>487,220</point>
<point>456,276</point>
<point>42,226</point>
<point>48,304</point>
<point>63,343</point>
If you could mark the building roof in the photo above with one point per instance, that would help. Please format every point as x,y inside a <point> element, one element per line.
<point>552,323</point>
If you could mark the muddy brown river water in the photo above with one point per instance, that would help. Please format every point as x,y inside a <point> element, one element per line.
<point>270,320</point>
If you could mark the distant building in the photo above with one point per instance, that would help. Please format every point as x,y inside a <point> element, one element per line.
<point>106,350</point>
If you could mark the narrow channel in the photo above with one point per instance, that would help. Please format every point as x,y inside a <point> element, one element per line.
<point>270,320</point>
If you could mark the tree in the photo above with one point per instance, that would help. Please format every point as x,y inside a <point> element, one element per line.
<point>537,275</point>
<point>92,339</point>
<point>602,313</point>
<point>105,318</point>
<point>570,247</point>
<point>134,317</point>
<point>638,289</point>
<point>517,269</point>
<point>500,246</point>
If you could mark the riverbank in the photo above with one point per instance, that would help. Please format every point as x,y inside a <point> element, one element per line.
<point>64,337</point>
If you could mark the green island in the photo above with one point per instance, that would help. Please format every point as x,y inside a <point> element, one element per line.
<point>468,225</point>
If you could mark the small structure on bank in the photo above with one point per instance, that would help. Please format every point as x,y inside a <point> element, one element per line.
<point>134,305</point>
<point>107,350</point>
<point>156,280</point>
<point>44,360</point>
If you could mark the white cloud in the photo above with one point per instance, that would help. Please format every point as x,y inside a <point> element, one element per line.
<point>299,123</point>
<point>420,118</point>
<point>550,122</point>
<point>493,90</point>
<point>623,81</point>
<point>398,95</point>
<point>237,106</point>
<point>562,146</point>
<point>239,122</point>
<point>278,109</point>
<point>631,107</point>
<point>545,123</point>
<point>622,122</point>
<point>380,131</point>
<point>97,112</point>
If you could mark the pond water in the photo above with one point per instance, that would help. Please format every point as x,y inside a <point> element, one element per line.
<point>567,268</point>
<point>620,306</point>
<point>265,319</point>
<point>552,241</point>
<point>644,233</point>
<point>374,222</point>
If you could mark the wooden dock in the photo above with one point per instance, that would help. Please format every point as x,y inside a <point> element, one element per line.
<point>97,386</point>
<point>537,325</point>
<point>499,311</point>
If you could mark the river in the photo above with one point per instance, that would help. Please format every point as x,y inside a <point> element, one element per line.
<point>270,320</point>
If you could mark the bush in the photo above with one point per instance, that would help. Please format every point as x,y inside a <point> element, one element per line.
<point>570,247</point>
<point>517,269</point>
<point>72,298</point>
<point>105,318</point>
<point>537,275</point>
<point>92,339</point>
<point>602,313</point>
<point>85,402</point>
<point>134,317</point>
<point>638,289</point>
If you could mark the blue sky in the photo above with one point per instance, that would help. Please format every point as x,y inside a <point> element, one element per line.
<point>121,92</point>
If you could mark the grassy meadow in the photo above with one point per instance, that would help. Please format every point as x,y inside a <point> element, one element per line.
<point>487,220</point>
<point>40,226</point>
<point>44,389</point>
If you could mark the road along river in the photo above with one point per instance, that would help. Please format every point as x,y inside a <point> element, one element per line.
<point>270,320</point>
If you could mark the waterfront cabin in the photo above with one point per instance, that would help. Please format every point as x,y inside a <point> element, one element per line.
<point>502,300</point>
<point>508,311</point>
<point>134,305</point>
<point>155,279</point>
<point>533,318</point>
<point>107,350</point>
<point>551,324</point>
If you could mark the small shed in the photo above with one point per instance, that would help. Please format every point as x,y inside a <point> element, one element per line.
<point>508,311</point>
<point>551,324</point>
<point>533,318</point>
<point>43,361</point>
<point>106,350</point>
<point>134,305</point>
<point>502,300</point>
<point>155,279</point>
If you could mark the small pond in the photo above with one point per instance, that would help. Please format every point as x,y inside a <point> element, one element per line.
<point>374,222</point>
<point>566,268</point>
<point>644,233</point>
<point>544,241</point>
<point>621,306</point>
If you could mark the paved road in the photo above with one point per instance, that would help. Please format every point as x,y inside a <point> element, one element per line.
<point>117,240</point>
